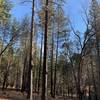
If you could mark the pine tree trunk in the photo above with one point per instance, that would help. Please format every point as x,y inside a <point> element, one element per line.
<point>52,65</point>
<point>30,72</point>
<point>4,81</point>
<point>55,71</point>
<point>89,97</point>
<point>39,77</point>
<point>44,72</point>
<point>93,77</point>
<point>5,76</point>
<point>79,79</point>
<point>98,53</point>
<point>23,88</point>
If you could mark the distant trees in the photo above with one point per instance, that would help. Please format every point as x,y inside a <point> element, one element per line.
<point>95,23</point>
<point>45,54</point>
<point>24,47</point>
<point>5,7</point>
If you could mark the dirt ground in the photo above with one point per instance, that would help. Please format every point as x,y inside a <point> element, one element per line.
<point>13,95</point>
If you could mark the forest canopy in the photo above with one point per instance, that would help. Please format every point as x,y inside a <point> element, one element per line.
<point>44,54</point>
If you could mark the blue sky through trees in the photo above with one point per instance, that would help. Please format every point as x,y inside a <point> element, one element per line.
<point>72,8</point>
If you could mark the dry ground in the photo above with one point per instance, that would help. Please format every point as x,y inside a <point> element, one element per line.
<point>13,95</point>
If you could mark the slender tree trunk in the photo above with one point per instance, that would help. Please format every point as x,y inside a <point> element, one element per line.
<point>17,80</point>
<point>52,64</point>
<point>63,87</point>
<point>98,62</point>
<point>75,78</point>
<point>4,81</point>
<point>30,73</point>
<point>5,76</point>
<point>44,72</point>
<point>93,77</point>
<point>36,69</point>
<point>89,97</point>
<point>55,71</point>
<point>97,95</point>
<point>98,53</point>
<point>23,88</point>
<point>39,77</point>
<point>79,79</point>
<point>97,33</point>
<point>95,16</point>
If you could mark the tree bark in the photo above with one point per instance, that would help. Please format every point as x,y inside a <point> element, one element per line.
<point>30,73</point>
<point>24,76</point>
<point>93,77</point>
<point>44,72</point>
<point>55,71</point>
<point>5,76</point>
<point>51,92</point>
<point>39,77</point>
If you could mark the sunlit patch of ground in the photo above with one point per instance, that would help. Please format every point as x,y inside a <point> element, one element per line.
<point>4,99</point>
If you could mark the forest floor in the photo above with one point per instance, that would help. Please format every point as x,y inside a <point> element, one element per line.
<point>14,95</point>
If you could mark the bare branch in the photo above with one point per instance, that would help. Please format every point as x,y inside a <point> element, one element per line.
<point>85,43</point>
<point>11,41</point>
<point>76,35</point>
<point>25,1</point>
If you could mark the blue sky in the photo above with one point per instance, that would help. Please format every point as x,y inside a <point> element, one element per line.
<point>19,10</point>
<point>75,12</point>
<point>73,9</point>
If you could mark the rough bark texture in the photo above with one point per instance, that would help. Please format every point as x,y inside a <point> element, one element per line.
<point>44,72</point>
